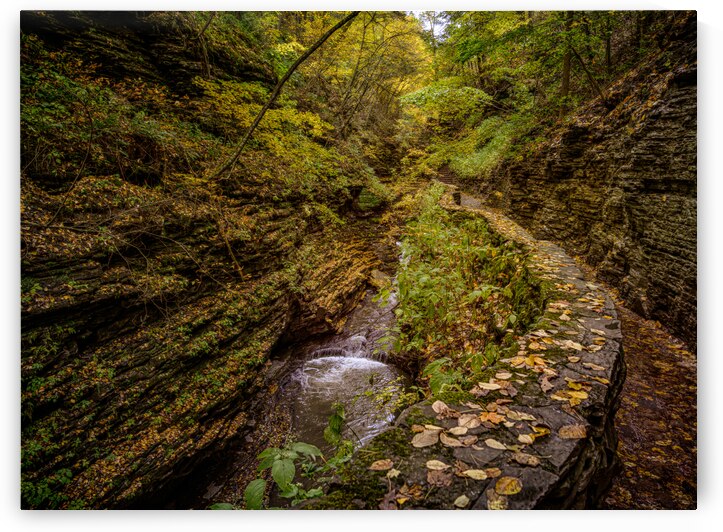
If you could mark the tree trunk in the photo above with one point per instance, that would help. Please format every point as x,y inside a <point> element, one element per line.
<point>229,164</point>
<point>566,61</point>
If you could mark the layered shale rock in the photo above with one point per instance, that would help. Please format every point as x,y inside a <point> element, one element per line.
<point>616,184</point>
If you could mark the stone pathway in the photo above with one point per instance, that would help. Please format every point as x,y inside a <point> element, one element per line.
<point>538,435</point>
<point>656,422</point>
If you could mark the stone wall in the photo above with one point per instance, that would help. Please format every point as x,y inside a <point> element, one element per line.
<point>616,185</point>
<point>550,443</point>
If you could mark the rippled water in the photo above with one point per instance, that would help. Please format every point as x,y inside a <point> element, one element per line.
<point>351,369</point>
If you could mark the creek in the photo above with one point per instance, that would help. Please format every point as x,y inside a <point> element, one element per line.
<point>350,368</point>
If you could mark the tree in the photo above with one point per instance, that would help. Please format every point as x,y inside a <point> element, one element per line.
<point>277,90</point>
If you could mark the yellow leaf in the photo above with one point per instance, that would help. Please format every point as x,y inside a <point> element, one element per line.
<point>508,486</point>
<point>495,501</point>
<point>494,444</point>
<point>462,501</point>
<point>381,465</point>
<point>436,465</point>
<point>475,474</point>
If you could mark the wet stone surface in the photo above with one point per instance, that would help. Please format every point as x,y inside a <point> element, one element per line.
<point>551,444</point>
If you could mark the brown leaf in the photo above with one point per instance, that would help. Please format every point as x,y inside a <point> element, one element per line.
<point>526,459</point>
<point>508,486</point>
<point>443,410</point>
<point>572,432</point>
<point>493,472</point>
<point>449,441</point>
<point>458,431</point>
<point>388,501</point>
<point>545,384</point>
<point>439,479</point>
<point>381,465</point>
<point>426,438</point>
<point>468,440</point>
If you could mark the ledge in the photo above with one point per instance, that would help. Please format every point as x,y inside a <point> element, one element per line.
<point>544,417</point>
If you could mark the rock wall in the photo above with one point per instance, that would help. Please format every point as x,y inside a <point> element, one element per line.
<point>150,311</point>
<point>616,185</point>
<point>549,444</point>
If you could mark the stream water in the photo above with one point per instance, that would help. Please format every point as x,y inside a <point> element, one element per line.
<point>350,368</point>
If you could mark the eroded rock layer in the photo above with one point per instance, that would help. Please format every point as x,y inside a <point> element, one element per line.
<point>617,185</point>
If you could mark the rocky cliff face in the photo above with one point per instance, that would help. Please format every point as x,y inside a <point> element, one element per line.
<point>616,185</point>
<point>150,307</point>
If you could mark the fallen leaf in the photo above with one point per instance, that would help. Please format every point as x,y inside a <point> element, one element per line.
<point>569,344</point>
<point>572,432</point>
<point>488,386</point>
<point>426,438</point>
<point>503,375</point>
<point>449,441</point>
<point>436,465</point>
<point>520,416</point>
<point>493,472</point>
<point>508,486</point>
<point>545,384</point>
<point>439,479</point>
<point>527,439</point>
<point>541,431</point>
<point>475,474</point>
<point>468,440</point>
<point>381,465</point>
<point>492,417</point>
<point>433,427</point>
<point>495,501</point>
<point>593,367</point>
<point>388,500</point>
<point>494,444</point>
<point>458,431</point>
<point>443,410</point>
<point>417,428</point>
<point>462,501</point>
<point>573,359</point>
<point>526,459</point>
<point>598,331</point>
<point>469,421</point>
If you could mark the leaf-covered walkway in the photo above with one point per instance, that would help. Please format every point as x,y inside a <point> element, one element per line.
<point>656,422</point>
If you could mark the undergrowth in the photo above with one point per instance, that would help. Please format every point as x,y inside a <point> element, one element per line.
<point>464,294</point>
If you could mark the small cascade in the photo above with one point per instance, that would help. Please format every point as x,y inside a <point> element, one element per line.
<point>352,369</point>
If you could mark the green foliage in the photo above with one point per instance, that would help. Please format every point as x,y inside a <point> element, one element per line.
<point>46,492</point>
<point>449,101</point>
<point>333,430</point>
<point>463,292</point>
